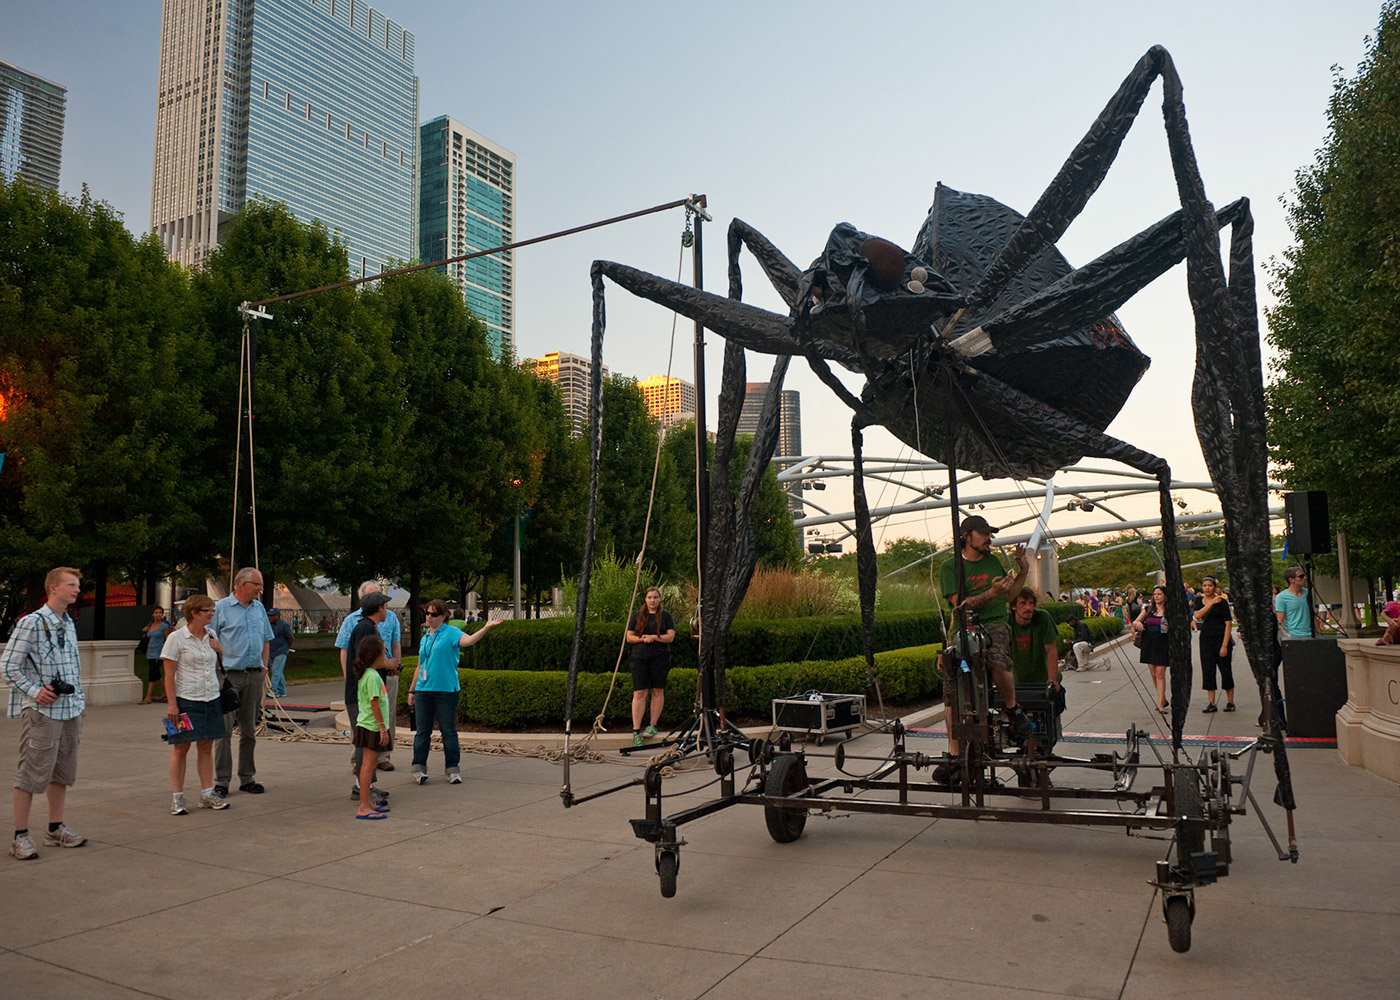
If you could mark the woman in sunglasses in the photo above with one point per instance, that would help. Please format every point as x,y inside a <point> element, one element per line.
<point>432,694</point>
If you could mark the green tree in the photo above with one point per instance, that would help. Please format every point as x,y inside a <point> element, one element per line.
<point>553,538</point>
<point>451,469</point>
<point>329,421</point>
<point>775,539</point>
<point>1334,404</point>
<point>624,483</point>
<point>101,410</point>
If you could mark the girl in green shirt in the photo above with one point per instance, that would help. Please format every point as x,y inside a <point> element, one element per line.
<point>371,732</point>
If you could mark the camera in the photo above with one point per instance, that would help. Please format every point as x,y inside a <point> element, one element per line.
<point>59,686</point>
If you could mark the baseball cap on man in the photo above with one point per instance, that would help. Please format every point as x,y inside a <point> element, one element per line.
<point>372,603</point>
<point>977,523</point>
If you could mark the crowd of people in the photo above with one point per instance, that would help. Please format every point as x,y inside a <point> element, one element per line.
<point>212,672</point>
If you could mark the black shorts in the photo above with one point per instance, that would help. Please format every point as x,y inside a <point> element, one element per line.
<point>367,739</point>
<point>650,673</point>
<point>153,670</point>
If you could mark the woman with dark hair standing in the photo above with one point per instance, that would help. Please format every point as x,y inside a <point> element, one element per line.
<point>1152,623</point>
<point>432,694</point>
<point>650,634</point>
<point>1213,623</point>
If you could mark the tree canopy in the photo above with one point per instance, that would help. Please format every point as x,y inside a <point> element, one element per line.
<point>100,377</point>
<point>1334,403</point>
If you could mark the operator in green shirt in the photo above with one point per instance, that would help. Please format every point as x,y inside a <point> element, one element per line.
<point>987,584</point>
<point>1035,652</point>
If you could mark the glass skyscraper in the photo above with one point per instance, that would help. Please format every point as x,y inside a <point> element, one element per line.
<point>467,203</point>
<point>31,127</point>
<point>310,102</point>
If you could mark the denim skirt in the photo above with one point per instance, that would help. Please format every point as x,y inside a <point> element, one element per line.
<point>205,717</point>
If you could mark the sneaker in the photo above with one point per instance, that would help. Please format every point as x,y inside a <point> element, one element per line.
<point>177,805</point>
<point>943,773</point>
<point>1209,708</point>
<point>649,731</point>
<point>376,793</point>
<point>384,765</point>
<point>454,778</point>
<point>23,848</point>
<point>1230,707</point>
<point>252,787</point>
<point>212,800</point>
<point>420,777</point>
<point>63,837</point>
<point>636,738</point>
<point>221,791</point>
<point>1021,724</point>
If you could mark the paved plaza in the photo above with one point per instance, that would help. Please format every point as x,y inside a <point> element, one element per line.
<point>492,889</point>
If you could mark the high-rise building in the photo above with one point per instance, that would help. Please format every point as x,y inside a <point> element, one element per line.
<point>309,102</point>
<point>668,399</point>
<point>570,372</point>
<point>466,203</point>
<point>789,416</point>
<point>31,127</point>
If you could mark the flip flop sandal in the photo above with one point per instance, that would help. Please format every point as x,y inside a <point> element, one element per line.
<point>373,815</point>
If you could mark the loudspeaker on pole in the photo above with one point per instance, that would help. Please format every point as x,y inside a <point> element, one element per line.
<point>1305,514</point>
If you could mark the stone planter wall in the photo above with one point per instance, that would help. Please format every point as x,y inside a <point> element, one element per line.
<point>107,672</point>
<point>1368,725</point>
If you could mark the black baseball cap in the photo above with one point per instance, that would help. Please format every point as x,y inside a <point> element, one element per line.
<point>977,523</point>
<point>372,603</point>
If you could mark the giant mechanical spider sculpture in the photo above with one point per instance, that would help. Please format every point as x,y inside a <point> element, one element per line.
<point>983,348</point>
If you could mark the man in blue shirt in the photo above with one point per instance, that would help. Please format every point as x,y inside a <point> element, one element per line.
<point>39,662</point>
<point>277,653</point>
<point>242,628</point>
<point>392,634</point>
<point>1293,607</point>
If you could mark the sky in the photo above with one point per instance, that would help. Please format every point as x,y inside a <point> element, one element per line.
<point>795,117</point>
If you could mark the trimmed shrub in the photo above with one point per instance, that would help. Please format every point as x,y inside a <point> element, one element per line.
<point>543,644</point>
<point>516,698</point>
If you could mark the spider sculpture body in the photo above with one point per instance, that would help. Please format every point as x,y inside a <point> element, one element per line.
<point>982,347</point>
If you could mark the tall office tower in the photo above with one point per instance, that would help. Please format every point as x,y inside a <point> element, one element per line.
<point>308,102</point>
<point>789,416</point>
<point>669,400</point>
<point>31,127</point>
<point>570,372</point>
<point>466,203</point>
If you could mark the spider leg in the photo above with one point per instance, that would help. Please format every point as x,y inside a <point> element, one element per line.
<point>752,327</point>
<point>783,273</point>
<point>865,559</point>
<point>1085,296</point>
<point>1077,180</point>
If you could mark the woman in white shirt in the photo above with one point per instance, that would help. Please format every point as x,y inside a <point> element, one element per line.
<point>191,663</point>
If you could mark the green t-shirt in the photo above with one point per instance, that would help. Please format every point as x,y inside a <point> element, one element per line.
<point>371,686</point>
<point>979,576</point>
<point>1028,644</point>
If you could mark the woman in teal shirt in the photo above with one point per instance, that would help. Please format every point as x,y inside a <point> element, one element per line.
<point>433,692</point>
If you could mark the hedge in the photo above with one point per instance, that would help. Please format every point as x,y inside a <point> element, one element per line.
<point>516,698</point>
<point>544,644</point>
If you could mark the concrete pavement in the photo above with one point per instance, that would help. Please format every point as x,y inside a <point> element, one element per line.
<point>492,889</point>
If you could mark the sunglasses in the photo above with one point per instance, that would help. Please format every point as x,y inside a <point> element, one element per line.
<point>434,614</point>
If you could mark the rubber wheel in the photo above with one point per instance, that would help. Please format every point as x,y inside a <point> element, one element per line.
<point>668,863</point>
<point>786,777</point>
<point>1188,803</point>
<point>1179,924</point>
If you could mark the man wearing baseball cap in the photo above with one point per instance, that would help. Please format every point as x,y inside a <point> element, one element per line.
<point>987,586</point>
